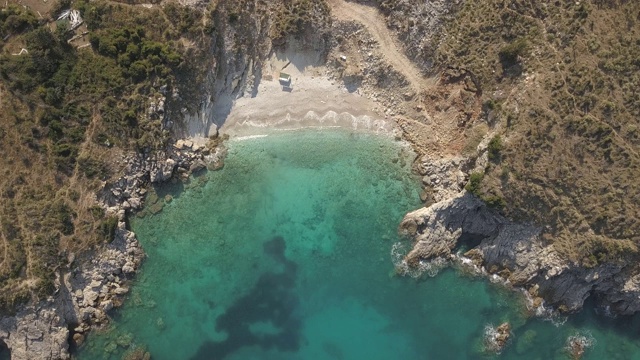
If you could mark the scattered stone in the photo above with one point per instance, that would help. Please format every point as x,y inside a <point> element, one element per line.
<point>197,166</point>
<point>124,340</point>
<point>78,339</point>
<point>156,208</point>
<point>107,305</point>
<point>475,256</point>
<point>495,339</point>
<point>87,313</point>
<point>425,195</point>
<point>128,268</point>
<point>120,290</point>
<point>578,344</point>
<point>71,258</point>
<point>110,348</point>
<point>408,227</point>
<point>95,284</point>
<point>90,297</point>
<point>217,165</point>
<point>137,353</point>
<point>153,197</point>
<point>160,323</point>
<point>537,302</point>
<point>135,203</point>
<point>409,95</point>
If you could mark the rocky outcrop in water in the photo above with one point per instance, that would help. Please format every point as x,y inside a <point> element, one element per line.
<point>83,296</point>
<point>578,344</point>
<point>519,254</point>
<point>93,284</point>
<point>495,339</point>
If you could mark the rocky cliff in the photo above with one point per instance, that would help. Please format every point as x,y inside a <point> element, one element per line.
<point>91,284</point>
<point>561,152</point>
<point>248,33</point>
<point>519,254</point>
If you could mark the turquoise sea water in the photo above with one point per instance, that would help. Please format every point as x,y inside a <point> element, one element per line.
<point>285,254</point>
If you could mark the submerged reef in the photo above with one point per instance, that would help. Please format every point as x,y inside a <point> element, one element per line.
<point>270,301</point>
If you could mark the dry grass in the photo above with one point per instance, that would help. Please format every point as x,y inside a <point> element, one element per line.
<point>565,77</point>
<point>53,152</point>
<point>69,114</point>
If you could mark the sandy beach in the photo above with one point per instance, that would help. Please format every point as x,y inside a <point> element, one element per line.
<point>311,100</point>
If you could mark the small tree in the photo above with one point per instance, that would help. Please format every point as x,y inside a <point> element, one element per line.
<point>509,54</point>
<point>494,148</point>
<point>473,186</point>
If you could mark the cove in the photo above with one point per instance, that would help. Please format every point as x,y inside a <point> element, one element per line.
<point>285,253</point>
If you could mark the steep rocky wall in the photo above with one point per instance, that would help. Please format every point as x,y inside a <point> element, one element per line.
<point>519,254</point>
<point>244,40</point>
<point>239,48</point>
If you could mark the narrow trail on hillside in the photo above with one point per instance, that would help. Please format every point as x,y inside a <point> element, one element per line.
<point>375,23</point>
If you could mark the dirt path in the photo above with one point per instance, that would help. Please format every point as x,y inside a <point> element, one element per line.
<point>375,23</point>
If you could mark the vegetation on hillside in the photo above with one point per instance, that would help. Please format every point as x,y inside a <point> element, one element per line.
<point>70,112</point>
<point>297,17</point>
<point>67,116</point>
<point>564,80</point>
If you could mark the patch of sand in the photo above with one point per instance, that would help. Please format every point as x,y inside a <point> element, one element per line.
<point>311,101</point>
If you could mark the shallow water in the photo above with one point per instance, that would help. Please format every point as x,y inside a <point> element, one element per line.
<point>285,254</point>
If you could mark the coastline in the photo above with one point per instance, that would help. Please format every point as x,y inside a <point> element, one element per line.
<point>88,289</point>
<point>92,286</point>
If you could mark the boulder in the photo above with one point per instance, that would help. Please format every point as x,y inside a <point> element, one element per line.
<point>106,305</point>
<point>89,297</point>
<point>36,334</point>
<point>78,339</point>
<point>495,339</point>
<point>197,166</point>
<point>128,268</point>
<point>504,331</point>
<point>135,202</point>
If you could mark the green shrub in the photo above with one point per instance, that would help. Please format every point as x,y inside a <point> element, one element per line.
<point>473,186</point>
<point>107,228</point>
<point>59,6</point>
<point>97,211</point>
<point>92,168</point>
<point>61,217</point>
<point>15,19</point>
<point>494,201</point>
<point>509,53</point>
<point>494,148</point>
<point>65,90</point>
<point>491,105</point>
